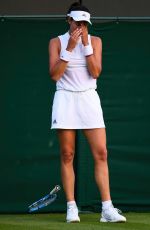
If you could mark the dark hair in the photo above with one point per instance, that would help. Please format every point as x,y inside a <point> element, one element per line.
<point>77,6</point>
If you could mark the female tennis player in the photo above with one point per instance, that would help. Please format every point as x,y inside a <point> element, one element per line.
<point>75,62</point>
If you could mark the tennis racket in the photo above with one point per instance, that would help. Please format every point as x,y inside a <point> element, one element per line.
<point>44,201</point>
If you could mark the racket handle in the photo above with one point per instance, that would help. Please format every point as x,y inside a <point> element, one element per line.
<point>56,189</point>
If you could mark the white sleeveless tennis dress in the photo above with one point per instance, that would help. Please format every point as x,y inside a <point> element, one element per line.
<point>76,104</point>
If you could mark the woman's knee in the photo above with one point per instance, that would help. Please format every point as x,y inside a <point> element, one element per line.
<point>67,155</point>
<point>101,154</point>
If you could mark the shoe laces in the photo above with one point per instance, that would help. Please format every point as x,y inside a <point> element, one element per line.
<point>116,209</point>
<point>72,208</point>
<point>113,209</point>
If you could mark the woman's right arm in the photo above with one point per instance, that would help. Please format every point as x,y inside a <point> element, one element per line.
<point>56,65</point>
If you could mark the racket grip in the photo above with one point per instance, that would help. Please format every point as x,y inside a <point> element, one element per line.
<point>55,189</point>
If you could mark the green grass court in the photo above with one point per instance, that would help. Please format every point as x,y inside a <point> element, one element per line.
<point>135,221</point>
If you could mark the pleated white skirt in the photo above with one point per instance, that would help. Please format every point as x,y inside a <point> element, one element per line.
<point>77,110</point>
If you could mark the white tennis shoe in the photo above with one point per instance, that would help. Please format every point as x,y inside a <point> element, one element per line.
<point>112,215</point>
<point>72,214</point>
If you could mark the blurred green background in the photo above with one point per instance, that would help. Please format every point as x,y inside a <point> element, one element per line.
<point>29,150</point>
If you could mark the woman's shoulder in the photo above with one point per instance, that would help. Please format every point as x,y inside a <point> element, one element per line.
<point>54,43</point>
<point>96,39</point>
<point>57,39</point>
<point>54,40</point>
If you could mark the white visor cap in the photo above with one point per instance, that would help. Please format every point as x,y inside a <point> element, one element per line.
<point>80,16</point>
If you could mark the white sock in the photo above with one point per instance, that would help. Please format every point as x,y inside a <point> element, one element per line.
<point>71,203</point>
<point>106,204</point>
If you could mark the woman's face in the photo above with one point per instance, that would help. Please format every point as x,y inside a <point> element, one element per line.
<point>77,24</point>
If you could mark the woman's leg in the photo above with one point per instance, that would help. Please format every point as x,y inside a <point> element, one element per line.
<point>97,141</point>
<point>67,149</point>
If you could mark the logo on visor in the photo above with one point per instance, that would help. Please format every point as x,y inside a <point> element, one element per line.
<point>84,15</point>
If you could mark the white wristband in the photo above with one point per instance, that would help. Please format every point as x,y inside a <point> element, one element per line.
<point>88,50</point>
<point>65,55</point>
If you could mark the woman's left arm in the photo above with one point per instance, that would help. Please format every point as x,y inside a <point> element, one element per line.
<point>93,54</point>
<point>94,61</point>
